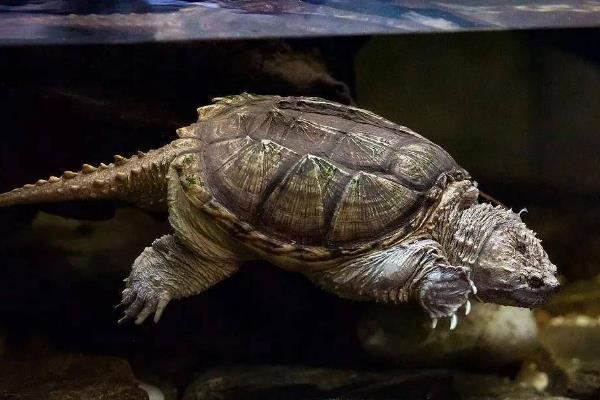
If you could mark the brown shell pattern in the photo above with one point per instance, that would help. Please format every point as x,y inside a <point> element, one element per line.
<point>317,173</point>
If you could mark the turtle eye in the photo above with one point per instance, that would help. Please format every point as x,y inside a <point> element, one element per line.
<point>520,247</point>
<point>535,282</point>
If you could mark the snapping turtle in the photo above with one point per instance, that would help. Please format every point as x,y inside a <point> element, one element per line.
<point>363,207</point>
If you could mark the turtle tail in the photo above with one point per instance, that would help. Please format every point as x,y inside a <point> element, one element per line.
<point>140,180</point>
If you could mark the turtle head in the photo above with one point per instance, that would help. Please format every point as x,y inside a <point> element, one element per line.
<point>512,267</point>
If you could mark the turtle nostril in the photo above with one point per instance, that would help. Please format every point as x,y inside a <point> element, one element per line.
<point>552,284</point>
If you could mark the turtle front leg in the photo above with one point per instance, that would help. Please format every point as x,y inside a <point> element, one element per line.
<point>443,290</point>
<point>168,270</point>
<point>416,270</point>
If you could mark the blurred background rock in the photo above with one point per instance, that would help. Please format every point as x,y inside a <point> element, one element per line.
<point>504,335</point>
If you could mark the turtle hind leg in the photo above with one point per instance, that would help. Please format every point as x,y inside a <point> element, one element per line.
<point>168,270</point>
<point>416,270</point>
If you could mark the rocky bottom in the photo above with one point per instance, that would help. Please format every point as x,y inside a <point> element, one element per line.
<point>313,383</point>
<point>78,377</point>
<point>551,357</point>
<point>266,334</point>
<point>33,376</point>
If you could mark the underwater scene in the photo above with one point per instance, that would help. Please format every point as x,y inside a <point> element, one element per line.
<point>301,200</point>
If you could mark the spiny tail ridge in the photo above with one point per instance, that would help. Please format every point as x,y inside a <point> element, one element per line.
<point>140,180</point>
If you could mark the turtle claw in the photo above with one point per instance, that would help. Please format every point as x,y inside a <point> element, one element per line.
<point>145,312</point>
<point>444,291</point>
<point>467,307</point>
<point>141,301</point>
<point>162,304</point>
<point>453,321</point>
<point>473,287</point>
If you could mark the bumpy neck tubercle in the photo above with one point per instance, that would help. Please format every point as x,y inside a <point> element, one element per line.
<point>463,234</point>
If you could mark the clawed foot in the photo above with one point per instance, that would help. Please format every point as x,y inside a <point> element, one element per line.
<point>453,317</point>
<point>141,301</point>
<point>146,288</point>
<point>168,270</point>
<point>443,291</point>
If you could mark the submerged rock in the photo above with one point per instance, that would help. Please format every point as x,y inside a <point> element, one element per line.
<point>491,387</point>
<point>581,297</point>
<point>297,383</point>
<point>96,247</point>
<point>573,345</point>
<point>153,392</point>
<point>531,376</point>
<point>68,377</point>
<point>490,336</point>
<point>569,335</point>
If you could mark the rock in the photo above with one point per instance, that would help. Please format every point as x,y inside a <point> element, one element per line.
<point>305,73</point>
<point>569,334</point>
<point>67,377</point>
<point>580,297</point>
<point>153,392</point>
<point>96,247</point>
<point>491,387</point>
<point>573,346</point>
<point>404,337</point>
<point>531,376</point>
<point>158,386</point>
<point>298,383</point>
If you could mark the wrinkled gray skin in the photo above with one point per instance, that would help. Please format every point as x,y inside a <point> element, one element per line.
<point>463,248</point>
<point>480,251</point>
<point>507,262</point>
